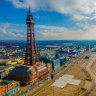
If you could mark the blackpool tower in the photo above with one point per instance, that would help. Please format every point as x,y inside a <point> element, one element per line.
<point>31,55</point>
<point>24,72</point>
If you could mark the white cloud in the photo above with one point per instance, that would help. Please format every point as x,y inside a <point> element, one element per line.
<point>59,33</point>
<point>3,30</point>
<point>86,31</point>
<point>78,9</point>
<point>7,32</point>
<point>83,11</point>
<point>3,27</point>
<point>42,32</point>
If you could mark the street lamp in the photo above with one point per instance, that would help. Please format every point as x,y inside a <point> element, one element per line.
<point>52,77</point>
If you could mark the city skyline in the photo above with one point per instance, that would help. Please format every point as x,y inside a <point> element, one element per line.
<point>54,19</point>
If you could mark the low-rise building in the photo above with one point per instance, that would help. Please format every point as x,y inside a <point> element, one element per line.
<point>8,87</point>
<point>63,60</point>
<point>55,64</point>
<point>4,70</point>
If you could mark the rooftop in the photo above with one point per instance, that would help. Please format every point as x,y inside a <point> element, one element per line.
<point>7,82</point>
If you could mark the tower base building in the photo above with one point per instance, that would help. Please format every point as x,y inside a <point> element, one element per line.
<point>26,73</point>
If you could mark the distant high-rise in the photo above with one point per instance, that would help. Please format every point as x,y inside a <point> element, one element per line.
<point>31,56</point>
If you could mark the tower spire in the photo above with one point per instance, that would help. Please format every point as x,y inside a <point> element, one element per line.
<point>30,12</point>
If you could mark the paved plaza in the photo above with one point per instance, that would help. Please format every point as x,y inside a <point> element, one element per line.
<point>64,80</point>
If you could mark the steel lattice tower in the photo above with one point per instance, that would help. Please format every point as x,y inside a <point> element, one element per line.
<point>31,55</point>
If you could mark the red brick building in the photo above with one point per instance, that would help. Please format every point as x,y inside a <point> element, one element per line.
<point>27,74</point>
<point>8,87</point>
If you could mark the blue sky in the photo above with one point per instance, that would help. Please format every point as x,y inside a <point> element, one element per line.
<point>54,19</point>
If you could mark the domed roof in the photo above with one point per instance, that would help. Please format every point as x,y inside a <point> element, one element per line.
<point>21,70</point>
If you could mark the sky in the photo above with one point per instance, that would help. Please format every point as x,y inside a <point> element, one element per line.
<point>54,19</point>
